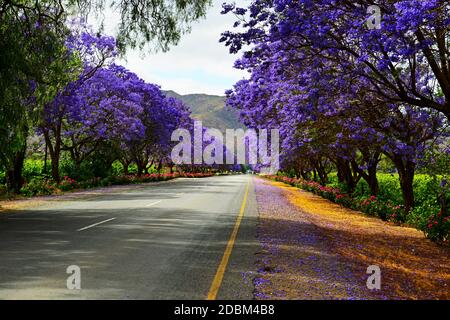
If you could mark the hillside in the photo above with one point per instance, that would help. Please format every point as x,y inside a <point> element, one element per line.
<point>210,109</point>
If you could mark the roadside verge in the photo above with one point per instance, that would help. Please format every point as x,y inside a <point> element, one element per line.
<point>412,266</point>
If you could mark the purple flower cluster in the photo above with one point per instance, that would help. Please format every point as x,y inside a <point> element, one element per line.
<point>109,106</point>
<point>342,93</point>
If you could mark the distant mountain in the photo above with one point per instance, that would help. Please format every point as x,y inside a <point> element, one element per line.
<point>210,109</point>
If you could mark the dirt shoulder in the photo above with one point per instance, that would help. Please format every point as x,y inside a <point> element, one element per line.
<point>315,249</point>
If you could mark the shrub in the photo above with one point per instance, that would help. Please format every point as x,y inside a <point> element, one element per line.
<point>385,210</point>
<point>116,168</point>
<point>390,189</point>
<point>196,175</point>
<point>38,187</point>
<point>329,193</point>
<point>438,227</point>
<point>344,200</point>
<point>388,206</point>
<point>3,189</point>
<point>84,172</point>
<point>68,184</point>
<point>33,168</point>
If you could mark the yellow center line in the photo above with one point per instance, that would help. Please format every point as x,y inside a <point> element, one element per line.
<point>215,286</point>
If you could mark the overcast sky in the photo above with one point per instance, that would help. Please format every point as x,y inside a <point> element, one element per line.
<point>198,64</point>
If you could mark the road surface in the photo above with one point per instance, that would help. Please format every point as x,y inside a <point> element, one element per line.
<point>157,241</point>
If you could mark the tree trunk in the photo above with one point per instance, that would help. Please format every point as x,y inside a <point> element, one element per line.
<point>406,182</point>
<point>55,152</point>
<point>406,171</point>
<point>125,165</point>
<point>304,175</point>
<point>158,168</point>
<point>148,166</point>
<point>45,158</point>
<point>55,169</point>
<point>141,164</point>
<point>323,177</point>
<point>370,176</point>
<point>14,179</point>
<point>372,180</point>
<point>345,175</point>
<point>140,169</point>
<point>340,171</point>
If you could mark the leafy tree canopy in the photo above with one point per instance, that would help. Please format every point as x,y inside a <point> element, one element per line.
<point>158,23</point>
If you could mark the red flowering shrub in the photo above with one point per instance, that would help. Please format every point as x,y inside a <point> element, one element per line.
<point>438,227</point>
<point>154,177</point>
<point>196,175</point>
<point>369,205</point>
<point>68,184</point>
<point>395,213</point>
<point>329,193</point>
<point>344,200</point>
<point>44,187</point>
<point>38,187</point>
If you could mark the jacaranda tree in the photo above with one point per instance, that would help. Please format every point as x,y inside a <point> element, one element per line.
<point>345,87</point>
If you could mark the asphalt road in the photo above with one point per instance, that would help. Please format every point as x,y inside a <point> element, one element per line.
<point>158,241</point>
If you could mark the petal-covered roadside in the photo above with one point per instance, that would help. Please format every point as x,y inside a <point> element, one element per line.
<point>312,248</point>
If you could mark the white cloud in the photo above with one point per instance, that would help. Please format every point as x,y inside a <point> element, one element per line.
<point>183,85</point>
<point>198,64</point>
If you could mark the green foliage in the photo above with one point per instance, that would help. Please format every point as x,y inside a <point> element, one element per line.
<point>88,169</point>
<point>133,169</point>
<point>425,216</point>
<point>34,168</point>
<point>33,66</point>
<point>389,188</point>
<point>116,168</point>
<point>437,227</point>
<point>436,161</point>
<point>39,187</point>
<point>3,190</point>
<point>385,210</point>
<point>159,22</point>
<point>426,189</point>
<point>67,184</point>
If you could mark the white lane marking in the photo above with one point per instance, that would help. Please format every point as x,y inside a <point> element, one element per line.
<point>153,203</point>
<point>95,224</point>
<point>179,194</point>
